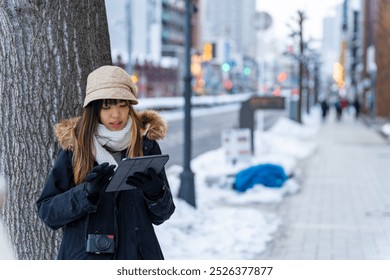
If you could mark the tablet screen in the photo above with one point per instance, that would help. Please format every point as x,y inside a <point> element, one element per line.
<point>128,166</point>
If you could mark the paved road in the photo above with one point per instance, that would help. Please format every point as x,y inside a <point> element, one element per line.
<point>343,209</point>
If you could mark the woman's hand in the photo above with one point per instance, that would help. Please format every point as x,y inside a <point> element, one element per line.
<point>98,178</point>
<point>150,183</point>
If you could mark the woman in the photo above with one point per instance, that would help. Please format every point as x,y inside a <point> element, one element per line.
<point>99,224</point>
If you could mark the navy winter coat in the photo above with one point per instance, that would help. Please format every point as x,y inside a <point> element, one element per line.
<point>128,215</point>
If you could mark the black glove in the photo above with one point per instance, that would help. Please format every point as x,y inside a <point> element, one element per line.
<point>97,179</point>
<point>149,182</point>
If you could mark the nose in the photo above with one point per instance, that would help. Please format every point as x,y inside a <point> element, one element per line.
<point>115,112</point>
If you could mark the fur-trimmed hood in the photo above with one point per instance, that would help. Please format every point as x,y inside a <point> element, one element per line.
<point>153,126</point>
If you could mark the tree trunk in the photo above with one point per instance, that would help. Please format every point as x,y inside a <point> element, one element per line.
<point>47,50</point>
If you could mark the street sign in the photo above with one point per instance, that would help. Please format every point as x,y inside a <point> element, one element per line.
<point>262,21</point>
<point>266,102</point>
<point>248,108</point>
<point>237,145</point>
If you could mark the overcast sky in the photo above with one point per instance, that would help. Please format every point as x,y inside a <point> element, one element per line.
<point>284,11</point>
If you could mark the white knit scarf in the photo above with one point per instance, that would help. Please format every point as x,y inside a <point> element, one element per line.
<point>114,140</point>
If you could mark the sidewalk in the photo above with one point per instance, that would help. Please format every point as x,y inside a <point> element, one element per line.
<point>343,209</point>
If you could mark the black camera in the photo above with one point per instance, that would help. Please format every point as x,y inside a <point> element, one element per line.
<point>100,244</point>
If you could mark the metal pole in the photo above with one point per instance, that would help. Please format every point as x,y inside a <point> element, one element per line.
<point>307,84</point>
<point>301,47</point>
<point>129,25</point>
<point>316,81</point>
<point>187,187</point>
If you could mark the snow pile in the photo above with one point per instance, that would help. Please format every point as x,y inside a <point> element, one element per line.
<point>227,224</point>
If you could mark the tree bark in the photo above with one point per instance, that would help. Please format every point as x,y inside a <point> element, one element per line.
<point>47,50</point>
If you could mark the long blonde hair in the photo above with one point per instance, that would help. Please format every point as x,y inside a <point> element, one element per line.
<point>83,158</point>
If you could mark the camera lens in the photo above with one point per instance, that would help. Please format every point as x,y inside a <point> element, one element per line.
<point>102,242</point>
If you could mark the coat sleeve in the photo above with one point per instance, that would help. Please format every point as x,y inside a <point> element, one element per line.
<point>61,202</point>
<point>161,209</point>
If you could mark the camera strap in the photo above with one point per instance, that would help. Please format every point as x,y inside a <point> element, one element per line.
<point>116,230</point>
<point>93,220</point>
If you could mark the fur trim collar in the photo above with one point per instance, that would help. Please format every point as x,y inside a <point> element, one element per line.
<point>153,127</point>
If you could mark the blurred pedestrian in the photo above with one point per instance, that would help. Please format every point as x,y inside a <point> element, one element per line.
<point>344,103</point>
<point>324,108</point>
<point>356,105</point>
<point>339,109</point>
<point>340,105</point>
<point>99,224</point>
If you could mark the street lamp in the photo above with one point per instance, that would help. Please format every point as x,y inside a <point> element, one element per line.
<point>187,186</point>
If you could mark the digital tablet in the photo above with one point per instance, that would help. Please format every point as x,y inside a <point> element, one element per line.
<point>128,166</point>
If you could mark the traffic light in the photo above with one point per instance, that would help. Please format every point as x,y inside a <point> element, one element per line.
<point>225,67</point>
<point>208,51</point>
<point>228,84</point>
<point>247,71</point>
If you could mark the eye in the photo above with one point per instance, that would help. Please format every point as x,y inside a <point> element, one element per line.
<point>105,106</point>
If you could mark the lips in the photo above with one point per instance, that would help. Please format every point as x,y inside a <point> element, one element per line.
<point>116,125</point>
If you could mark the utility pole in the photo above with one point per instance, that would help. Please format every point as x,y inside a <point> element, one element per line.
<point>301,18</point>
<point>187,187</point>
<point>316,79</point>
<point>308,85</point>
<point>129,26</point>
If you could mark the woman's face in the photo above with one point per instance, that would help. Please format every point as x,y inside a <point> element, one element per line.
<point>114,116</point>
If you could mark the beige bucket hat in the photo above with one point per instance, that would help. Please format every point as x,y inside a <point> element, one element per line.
<point>110,82</point>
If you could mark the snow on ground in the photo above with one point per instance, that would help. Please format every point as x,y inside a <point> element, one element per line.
<point>5,251</point>
<point>386,129</point>
<point>227,224</point>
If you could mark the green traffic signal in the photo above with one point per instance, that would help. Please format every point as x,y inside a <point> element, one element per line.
<point>226,67</point>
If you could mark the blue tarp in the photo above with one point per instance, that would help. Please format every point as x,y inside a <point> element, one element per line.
<point>269,175</point>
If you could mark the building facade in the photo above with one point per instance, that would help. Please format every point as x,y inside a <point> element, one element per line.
<point>227,25</point>
<point>231,20</point>
<point>154,34</point>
